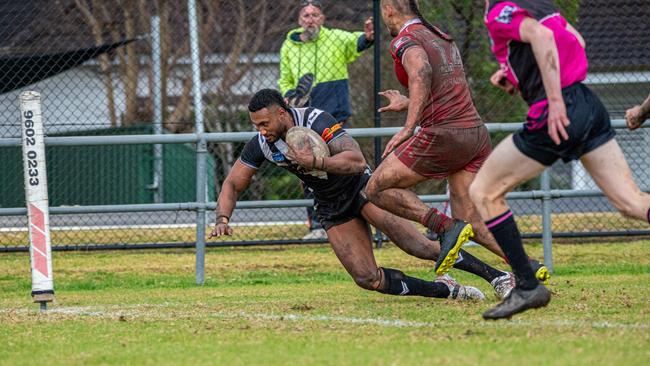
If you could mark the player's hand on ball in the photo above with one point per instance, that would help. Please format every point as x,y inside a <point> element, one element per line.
<point>220,228</point>
<point>396,101</point>
<point>302,154</point>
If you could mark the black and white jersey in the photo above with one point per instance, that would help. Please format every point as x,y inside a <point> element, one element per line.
<point>326,188</point>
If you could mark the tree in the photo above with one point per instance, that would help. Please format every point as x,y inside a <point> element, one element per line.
<point>107,26</point>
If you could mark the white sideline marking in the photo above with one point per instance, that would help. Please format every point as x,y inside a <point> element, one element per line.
<point>339,319</point>
<point>145,310</point>
<point>406,324</point>
<point>161,226</point>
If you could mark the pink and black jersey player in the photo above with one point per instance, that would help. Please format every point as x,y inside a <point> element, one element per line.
<point>542,58</point>
<point>521,70</point>
<point>517,59</point>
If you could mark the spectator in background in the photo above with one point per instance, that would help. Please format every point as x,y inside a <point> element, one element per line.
<point>636,115</point>
<point>314,72</point>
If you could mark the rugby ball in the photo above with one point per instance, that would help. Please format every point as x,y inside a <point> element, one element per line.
<point>297,137</point>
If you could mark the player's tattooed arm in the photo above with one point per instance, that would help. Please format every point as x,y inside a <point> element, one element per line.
<point>346,157</point>
<point>343,143</point>
<point>420,72</point>
<point>542,42</point>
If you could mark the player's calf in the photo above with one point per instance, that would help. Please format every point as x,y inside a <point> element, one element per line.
<point>469,263</point>
<point>395,282</point>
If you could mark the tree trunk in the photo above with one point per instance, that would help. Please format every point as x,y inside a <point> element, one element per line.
<point>104,60</point>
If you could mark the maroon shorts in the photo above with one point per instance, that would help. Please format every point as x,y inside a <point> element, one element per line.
<point>436,152</point>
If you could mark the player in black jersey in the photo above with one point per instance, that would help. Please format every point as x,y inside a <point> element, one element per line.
<point>341,209</point>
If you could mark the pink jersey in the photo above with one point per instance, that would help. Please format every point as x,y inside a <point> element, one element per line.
<point>503,19</point>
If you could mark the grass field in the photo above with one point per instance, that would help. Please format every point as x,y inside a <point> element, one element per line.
<point>296,305</point>
<point>562,222</point>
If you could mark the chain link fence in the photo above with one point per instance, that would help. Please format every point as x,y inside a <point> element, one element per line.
<point>95,64</point>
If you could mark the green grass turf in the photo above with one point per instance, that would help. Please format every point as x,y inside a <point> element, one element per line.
<point>296,305</point>
<point>581,222</point>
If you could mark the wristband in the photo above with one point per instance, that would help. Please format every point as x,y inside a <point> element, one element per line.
<point>223,222</point>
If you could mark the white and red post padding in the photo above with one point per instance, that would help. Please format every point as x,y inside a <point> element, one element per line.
<point>36,197</point>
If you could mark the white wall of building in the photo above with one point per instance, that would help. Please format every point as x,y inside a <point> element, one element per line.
<point>76,100</point>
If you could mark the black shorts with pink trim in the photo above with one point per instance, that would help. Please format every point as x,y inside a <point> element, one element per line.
<point>589,129</point>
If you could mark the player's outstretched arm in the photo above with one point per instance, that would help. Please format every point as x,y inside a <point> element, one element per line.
<point>416,63</point>
<point>237,180</point>
<point>546,54</point>
<point>499,80</point>
<point>636,115</point>
<point>396,101</point>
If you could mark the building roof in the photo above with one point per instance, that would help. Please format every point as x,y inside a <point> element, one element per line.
<point>47,26</point>
<point>41,27</point>
<point>617,33</point>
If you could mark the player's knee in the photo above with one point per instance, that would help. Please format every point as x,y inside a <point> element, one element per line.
<point>478,193</point>
<point>368,280</point>
<point>624,208</point>
<point>627,206</point>
<point>371,190</point>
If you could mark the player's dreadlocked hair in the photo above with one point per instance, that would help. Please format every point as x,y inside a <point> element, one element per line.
<point>413,6</point>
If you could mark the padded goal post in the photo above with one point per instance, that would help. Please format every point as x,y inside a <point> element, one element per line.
<point>36,198</point>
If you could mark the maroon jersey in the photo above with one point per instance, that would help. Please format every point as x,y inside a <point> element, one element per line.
<point>450,101</point>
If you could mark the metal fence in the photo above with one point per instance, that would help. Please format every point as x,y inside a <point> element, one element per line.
<point>167,68</point>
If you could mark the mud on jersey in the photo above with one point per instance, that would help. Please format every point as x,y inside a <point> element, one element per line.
<point>450,102</point>
<point>329,188</point>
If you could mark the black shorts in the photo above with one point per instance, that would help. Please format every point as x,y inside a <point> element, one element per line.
<point>590,128</point>
<point>346,207</point>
